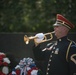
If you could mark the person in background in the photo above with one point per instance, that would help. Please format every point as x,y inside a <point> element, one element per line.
<point>58,57</point>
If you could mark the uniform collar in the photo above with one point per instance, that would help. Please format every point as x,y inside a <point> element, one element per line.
<point>62,39</point>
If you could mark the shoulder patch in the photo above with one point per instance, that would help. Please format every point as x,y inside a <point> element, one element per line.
<point>73,45</point>
<point>73,58</point>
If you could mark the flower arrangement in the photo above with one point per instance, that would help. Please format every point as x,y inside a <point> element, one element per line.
<point>4,64</point>
<point>26,66</point>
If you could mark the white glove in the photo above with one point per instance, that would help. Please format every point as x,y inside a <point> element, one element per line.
<point>40,37</point>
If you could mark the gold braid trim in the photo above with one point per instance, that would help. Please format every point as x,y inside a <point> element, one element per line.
<point>68,51</point>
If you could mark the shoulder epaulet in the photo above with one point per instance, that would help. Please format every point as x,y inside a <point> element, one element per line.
<point>73,42</point>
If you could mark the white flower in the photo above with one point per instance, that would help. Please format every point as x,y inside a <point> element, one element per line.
<point>13,72</point>
<point>17,67</point>
<point>34,72</point>
<point>5,70</point>
<point>6,60</point>
<point>2,53</point>
<point>28,68</point>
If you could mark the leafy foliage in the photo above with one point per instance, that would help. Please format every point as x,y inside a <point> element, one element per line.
<point>34,15</point>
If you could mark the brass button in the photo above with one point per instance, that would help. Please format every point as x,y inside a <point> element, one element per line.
<point>53,47</point>
<point>48,64</point>
<point>50,55</point>
<point>52,51</point>
<point>47,68</point>
<point>59,39</point>
<point>56,43</point>
<point>50,60</point>
<point>47,73</point>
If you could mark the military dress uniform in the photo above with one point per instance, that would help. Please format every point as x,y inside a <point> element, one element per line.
<point>59,56</point>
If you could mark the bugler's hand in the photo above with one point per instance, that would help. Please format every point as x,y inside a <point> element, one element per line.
<point>40,37</point>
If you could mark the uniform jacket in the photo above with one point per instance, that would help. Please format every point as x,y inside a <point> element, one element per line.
<point>57,58</point>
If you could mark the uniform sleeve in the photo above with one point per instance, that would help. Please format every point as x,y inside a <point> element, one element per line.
<point>38,53</point>
<point>39,57</point>
<point>72,59</point>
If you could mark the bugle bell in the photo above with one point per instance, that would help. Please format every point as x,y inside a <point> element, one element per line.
<point>41,40</point>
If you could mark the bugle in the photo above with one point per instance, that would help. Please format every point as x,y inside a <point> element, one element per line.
<point>27,39</point>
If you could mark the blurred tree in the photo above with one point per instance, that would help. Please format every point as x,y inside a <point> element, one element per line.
<point>34,15</point>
